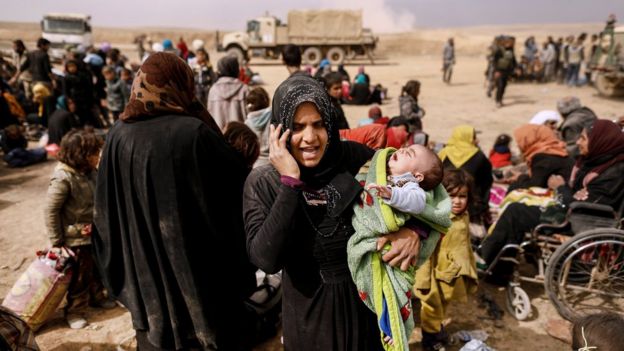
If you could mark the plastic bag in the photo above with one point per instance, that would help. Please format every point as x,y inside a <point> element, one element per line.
<point>41,288</point>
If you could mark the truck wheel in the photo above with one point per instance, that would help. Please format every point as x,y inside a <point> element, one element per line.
<point>609,87</point>
<point>236,52</point>
<point>312,56</point>
<point>336,55</point>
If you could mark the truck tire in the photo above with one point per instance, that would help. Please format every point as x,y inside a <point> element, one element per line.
<point>609,87</point>
<point>236,52</point>
<point>312,56</point>
<point>336,55</point>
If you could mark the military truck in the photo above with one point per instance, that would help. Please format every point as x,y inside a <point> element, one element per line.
<point>607,64</point>
<point>333,34</point>
<point>65,30</point>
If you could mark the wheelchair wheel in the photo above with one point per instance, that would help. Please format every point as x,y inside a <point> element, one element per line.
<point>518,302</point>
<point>586,274</point>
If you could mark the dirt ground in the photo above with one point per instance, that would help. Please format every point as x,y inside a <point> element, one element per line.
<point>23,191</point>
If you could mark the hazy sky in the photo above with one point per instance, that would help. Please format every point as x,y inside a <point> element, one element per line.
<point>381,15</point>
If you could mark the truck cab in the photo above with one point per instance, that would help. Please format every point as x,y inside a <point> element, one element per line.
<point>263,31</point>
<point>65,30</point>
<point>262,35</point>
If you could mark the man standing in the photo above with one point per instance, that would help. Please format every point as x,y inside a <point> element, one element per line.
<point>21,79</point>
<point>38,62</point>
<point>448,60</point>
<point>589,57</point>
<point>504,65</point>
<point>548,58</point>
<point>576,56</point>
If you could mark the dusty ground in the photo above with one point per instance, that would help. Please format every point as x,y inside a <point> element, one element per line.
<point>22,191</point>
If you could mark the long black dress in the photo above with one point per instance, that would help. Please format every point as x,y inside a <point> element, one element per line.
<point>169,237</point>
<point>321,307</point>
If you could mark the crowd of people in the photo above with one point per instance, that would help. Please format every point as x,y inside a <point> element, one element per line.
<point>170,173</point>
<point>570,60</point>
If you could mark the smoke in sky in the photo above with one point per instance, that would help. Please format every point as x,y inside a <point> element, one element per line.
<point>378,15</point>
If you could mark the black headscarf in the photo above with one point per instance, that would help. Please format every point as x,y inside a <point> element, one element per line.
<point>341,161</point>
<point>228,67</point>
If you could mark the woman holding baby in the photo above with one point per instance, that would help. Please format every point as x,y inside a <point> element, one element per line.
<point>297,214</point>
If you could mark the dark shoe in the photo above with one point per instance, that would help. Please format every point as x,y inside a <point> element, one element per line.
<point>435,341</point>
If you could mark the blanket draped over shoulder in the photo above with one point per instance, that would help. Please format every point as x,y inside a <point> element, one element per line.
<point>380,284</point>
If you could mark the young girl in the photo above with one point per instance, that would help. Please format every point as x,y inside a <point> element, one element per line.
<point>68,216</point>
<point>408,104</point>
<point>450,274</point>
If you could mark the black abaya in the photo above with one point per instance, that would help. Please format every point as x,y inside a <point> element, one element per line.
<point>169,238</point>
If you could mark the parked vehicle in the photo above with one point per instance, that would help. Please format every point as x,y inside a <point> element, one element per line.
<point>65,30</point>
<point>334,34</point>
<point>608,63</point>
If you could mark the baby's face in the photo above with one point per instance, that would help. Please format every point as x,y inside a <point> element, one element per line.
<point>410,159</point>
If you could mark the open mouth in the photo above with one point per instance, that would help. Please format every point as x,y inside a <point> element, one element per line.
<point>310,152</point>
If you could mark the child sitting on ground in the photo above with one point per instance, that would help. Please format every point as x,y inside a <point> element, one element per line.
<point>68,217</point>
<point>374,116</point>
<point>600,332</point>
<point>500,155</point>
<point>15,148</point>
<point>407,185</point>
<point>450,274</point>
<point>408,104</point>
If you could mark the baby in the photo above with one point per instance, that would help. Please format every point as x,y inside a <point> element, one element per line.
<point>411,171</point>
<point>413,175</point>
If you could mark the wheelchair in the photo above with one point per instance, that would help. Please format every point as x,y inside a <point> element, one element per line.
<point>580,262</point>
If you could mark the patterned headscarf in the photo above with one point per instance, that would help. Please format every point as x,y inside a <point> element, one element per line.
<point>165,86</point>
<point>289,95</point>
<point>335,172</point>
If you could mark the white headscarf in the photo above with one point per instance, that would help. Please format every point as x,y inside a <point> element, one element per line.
<point>542,117</point>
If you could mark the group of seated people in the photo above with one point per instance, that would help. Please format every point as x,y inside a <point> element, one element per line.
<point>570,153</point>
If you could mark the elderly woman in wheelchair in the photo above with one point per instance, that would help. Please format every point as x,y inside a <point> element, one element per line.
<point>584,269</point>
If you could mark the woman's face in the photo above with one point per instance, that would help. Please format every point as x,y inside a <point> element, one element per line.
<point>583,143</point>
<point>309,136</point>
